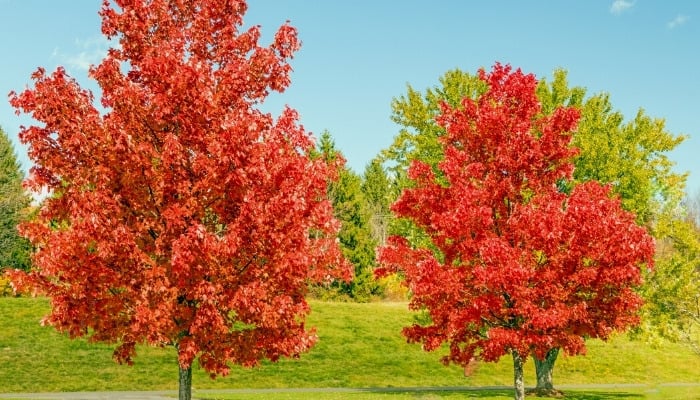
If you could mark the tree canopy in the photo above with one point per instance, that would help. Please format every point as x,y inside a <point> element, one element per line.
<point>181,215</point>
<point>631,156</point>
<point>516,265</point>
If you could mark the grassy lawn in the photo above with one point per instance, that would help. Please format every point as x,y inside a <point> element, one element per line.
<point>360,346</point>
<point>626,393</point>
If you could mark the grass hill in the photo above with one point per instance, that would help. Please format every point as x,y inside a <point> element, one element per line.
<point>360,346</point>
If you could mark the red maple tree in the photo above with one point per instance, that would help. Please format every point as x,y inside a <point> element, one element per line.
<point>516,263</point>
<point>179,213</point>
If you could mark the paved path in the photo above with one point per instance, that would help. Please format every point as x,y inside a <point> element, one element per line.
<point>172,394</point>
<point>93,396</point>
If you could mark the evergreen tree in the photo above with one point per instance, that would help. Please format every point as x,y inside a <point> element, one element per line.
<point>379,194</point>
<point>356,242</point>
<point>14,250</point>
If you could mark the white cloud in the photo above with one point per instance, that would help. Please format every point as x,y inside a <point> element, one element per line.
<point>678,21</point>
<point>85,53</point>
<point>620,6</point>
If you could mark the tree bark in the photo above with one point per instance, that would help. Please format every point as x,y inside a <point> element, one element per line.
<point>519,379</point>
<point>544,369</point>
<point>185,389</point>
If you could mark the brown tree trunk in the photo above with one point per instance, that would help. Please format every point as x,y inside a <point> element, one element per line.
<point>518,375</point>
<point>544,370</point>
<point>185,389</point>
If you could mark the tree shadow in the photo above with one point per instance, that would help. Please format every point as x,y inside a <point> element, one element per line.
<point>508,393</point>
<point>487,393</point>
<point>467,393</point>
<point>438,393</point>
<point>593,395</point>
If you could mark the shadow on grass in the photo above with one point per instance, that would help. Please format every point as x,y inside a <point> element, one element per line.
<point>420,394</point>
<point>590,395</point>
<point>584,395</point>
<point>508,393</point>
<point>438,394</point>
<point>478,394</point>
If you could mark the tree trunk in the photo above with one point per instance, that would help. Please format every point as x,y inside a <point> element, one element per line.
<point>519,376</point>
<point>544,370</point>
<point>185,390</point>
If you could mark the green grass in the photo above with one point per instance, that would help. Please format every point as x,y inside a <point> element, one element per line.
<point>624,393</point>
<point>360,346</point>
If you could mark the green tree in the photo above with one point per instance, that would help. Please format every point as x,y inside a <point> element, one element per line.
<point>379,193</point>
<point>415,113</point>
<point>632,156</point>
<point>356,242</point>
<point>672,290</point>
<point>14,202</point>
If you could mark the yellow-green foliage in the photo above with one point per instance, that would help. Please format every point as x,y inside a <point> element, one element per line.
<point>394,289</point>
<point>672,289</point>
<point>5,287</point>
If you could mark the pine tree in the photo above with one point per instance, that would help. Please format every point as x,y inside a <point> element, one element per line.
<point>14,250</point>
<point>378,192</point>
<point>356,241</point>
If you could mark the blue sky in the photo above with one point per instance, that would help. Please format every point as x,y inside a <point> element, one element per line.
<point>358,55</point>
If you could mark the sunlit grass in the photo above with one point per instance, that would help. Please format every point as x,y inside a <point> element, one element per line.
<point>619,393</point>
<point>360,346</point>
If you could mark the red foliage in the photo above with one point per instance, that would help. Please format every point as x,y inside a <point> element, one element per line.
<point>516,264</point>
<point>182,215</point>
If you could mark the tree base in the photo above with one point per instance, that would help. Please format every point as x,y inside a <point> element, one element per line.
<point>544,392</point>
